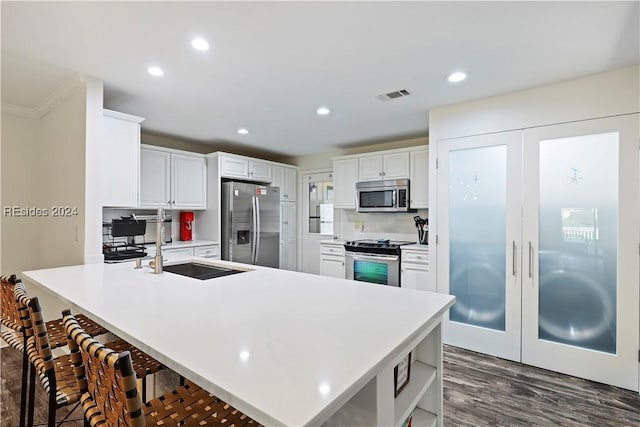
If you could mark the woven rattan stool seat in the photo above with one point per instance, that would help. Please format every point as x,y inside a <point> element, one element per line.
<point>192,406</point>
<point>57,336</point>
<point>143,364</point>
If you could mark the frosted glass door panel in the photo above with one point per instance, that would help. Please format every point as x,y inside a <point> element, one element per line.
<point>477,235</point>
<point>578,240</point>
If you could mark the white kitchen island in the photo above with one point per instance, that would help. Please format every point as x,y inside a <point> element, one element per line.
<point>286,348</point>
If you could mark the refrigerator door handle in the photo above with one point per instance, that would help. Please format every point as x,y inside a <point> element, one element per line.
<point>254,216</point>
<point>257,229</point>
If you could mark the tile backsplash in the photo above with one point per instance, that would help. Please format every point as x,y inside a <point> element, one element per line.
<point>353,225</point>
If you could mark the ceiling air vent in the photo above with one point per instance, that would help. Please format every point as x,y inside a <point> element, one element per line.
<point>394,95</point>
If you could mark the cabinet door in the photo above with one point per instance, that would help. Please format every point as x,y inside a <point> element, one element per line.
<point>370,168</point>
<point>345,175</point>
<point>290,180</point>
<point>189,177</point>
<point>278,181</point>
<point>120,162</point>
<point>234,167</point>
<point>415,276</point>
<point>332,266</point>
<point>419,179</point>
<point>155,175</point>
<point>288,243</point>
<point>260,171</point>
<point>395,166</point>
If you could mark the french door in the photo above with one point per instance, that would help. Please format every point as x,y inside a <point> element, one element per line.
<point>569,229</point>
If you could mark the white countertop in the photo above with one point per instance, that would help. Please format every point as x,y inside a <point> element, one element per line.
<point>416,247</point>
<point>286,348</point>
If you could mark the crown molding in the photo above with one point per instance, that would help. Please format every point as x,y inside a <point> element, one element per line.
<point>57,97</point>
<point>19,111</point>
<point>61,94</point>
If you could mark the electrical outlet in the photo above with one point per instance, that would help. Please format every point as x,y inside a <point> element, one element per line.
<point>359,225</point>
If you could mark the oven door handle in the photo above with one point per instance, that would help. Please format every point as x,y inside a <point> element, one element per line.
<point>372,257</point>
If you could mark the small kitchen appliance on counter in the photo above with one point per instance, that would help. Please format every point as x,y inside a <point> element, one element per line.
<point>374,261</point>
<point>422,225</point>
<point>186,226</point>
<point>120,244</point>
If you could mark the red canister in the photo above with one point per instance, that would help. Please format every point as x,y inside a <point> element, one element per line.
<point>186,225</point>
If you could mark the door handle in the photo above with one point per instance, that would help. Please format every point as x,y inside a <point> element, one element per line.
<point>514,258</point>
<point>530,260</point>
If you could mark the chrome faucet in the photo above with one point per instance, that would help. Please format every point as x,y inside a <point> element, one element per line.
<point>157,260</point>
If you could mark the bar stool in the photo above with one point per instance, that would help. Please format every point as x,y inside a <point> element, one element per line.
<point>109,395</point>
<point>16,335</point>
<point>56,373</point>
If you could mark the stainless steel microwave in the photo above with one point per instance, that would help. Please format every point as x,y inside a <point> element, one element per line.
<point>383,196</point>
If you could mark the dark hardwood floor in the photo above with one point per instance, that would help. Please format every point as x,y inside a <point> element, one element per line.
<point>479,390</point>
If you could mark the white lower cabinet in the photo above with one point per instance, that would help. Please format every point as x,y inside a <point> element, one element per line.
<point>414,270</point>
<point>332,260</point>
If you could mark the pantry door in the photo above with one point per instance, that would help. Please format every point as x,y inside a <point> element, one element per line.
<point>580,233</point>
<point>479,241</point>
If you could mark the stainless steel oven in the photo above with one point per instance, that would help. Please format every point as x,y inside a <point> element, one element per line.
<point>373,261</point>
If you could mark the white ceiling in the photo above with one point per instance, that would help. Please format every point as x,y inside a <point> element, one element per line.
<point>272,64</point>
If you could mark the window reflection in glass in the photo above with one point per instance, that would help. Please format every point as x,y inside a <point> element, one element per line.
<point>321,207</point>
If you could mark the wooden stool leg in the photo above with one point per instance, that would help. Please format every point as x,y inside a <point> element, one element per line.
<point>32,394</point>
<point>52,401</point>
<point>23,392</point>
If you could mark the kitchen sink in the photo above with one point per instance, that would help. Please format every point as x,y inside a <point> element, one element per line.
<point>200,271</point>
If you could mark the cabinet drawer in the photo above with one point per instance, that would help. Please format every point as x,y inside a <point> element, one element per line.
<point>207,251</point>
<point>328,249</point>
<point>421,257</point>
<point>178,252</point>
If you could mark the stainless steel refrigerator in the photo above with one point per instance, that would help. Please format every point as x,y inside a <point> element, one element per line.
<point>250,223</point>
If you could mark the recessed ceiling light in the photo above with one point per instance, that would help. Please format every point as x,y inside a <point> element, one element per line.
<point>323,111</point>
<point>243,131</point>
<point>456,77</point>
<point>155,71</point>
<point>200,44</point>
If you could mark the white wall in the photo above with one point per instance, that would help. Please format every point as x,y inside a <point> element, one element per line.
<point>601,95</point>
<point>20,187</point>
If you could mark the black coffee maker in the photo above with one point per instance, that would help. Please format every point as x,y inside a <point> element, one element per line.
<point>422,225</point>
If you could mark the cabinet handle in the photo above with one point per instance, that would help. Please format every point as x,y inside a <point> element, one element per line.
<point>530,260</point>
<point>513,261</point>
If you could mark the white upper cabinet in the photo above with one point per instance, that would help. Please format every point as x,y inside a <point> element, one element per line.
<point>419,179</point>
<point>382,167</point>
<point>234,167</point>
<point>245,168</point>
<point>285,179</point>
<point>189,179</point>
<point>120,159</point>
<point>345,175</point>
<point>259,171</point>
<point>172,179</point>
<point>155,178</point>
